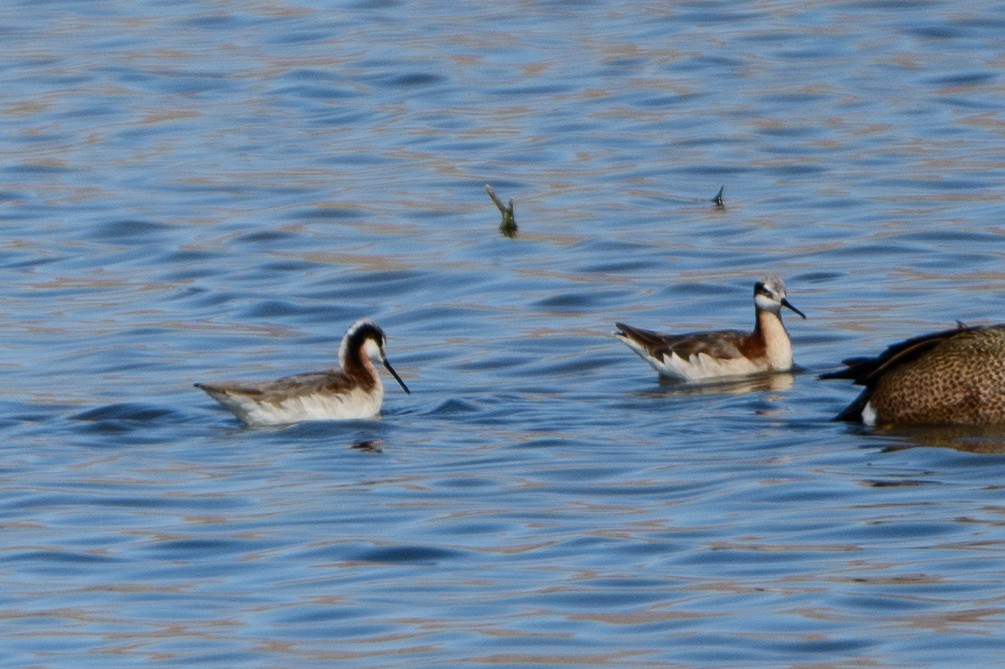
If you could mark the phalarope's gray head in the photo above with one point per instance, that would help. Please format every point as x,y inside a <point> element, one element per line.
<point>352,391</point>
<point>699,356</point>
<point>953,377</point>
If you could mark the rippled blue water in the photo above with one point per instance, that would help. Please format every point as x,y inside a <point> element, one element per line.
<point>198,190</point>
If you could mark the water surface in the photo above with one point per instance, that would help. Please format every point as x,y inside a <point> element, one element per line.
<point>196,190</point>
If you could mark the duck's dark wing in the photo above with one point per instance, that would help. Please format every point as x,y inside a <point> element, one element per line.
<point>864,371</point>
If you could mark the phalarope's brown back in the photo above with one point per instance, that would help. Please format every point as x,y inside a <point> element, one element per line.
<point>699,356</point>
<point>352,391</point>
<point>953,377</point>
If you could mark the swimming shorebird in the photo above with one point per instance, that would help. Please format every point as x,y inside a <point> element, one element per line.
<point>700,356</point>
<point>953,377</point>
<point>353,390</point>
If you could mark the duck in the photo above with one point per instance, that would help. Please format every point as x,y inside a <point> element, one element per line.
<point>950,377</point>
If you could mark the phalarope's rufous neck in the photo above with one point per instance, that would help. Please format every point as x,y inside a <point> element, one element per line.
<point>953,377</point>
<point>352,391</point>
<point>699,356</point>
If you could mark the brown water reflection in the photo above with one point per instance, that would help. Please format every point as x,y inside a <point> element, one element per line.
<point>987,440</point>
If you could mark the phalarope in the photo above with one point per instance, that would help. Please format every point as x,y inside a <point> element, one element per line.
<point>699,356</point>
<point>953,377</point>
<point>352,391</point>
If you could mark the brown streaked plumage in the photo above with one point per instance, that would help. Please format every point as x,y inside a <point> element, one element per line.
<point>353,390</point>
<point>953,377</point>
<point>699,356</point>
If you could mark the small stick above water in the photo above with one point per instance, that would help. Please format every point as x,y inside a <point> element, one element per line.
<point>717,200</point>
<point>508,225</point>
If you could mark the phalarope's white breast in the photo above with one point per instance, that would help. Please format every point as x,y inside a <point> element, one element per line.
<point>953,377</point>
<point>699,356</point>
<point>352,391</point>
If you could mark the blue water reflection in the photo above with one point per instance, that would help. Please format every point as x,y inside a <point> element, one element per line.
<point>195,191</point>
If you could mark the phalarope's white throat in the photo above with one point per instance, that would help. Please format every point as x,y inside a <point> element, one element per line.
<point>700,356</point>
<point>953,377</point>
<point>352,391</point>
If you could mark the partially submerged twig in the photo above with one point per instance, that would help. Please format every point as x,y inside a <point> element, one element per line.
<point>717,200</point>
<point>508,225</point>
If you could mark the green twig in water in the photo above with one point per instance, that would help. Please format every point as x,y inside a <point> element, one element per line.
<point>508,225</point>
